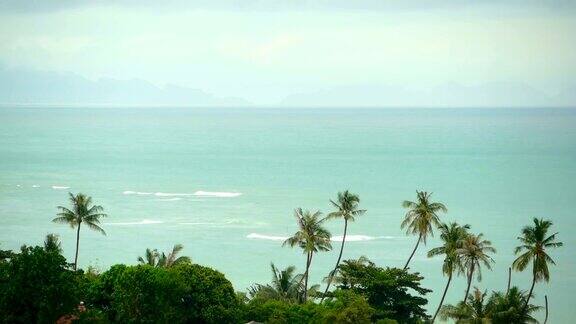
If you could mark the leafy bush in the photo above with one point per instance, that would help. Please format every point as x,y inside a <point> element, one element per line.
<point>36,287</point>
<point>389,291</point>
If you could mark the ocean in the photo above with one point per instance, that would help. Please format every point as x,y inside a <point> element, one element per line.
<point>225,182</point>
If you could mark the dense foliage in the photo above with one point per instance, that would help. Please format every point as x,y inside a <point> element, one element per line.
<point>394,293</point>
<point>38,285</point>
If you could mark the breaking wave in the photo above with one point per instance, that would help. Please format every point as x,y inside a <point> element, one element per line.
<point>142,222</point>
<point>60,187</point>
<point>266,237</point>
<point>128,192</point>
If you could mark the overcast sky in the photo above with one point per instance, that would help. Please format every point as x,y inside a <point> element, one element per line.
<point>265,51</point>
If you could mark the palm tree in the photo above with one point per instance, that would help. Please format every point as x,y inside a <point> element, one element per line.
<point>52,243</point>
<point>311,237</point>
<point>474,253</point>
<point>163,260</point>
<point>474,311</point>
<point>420,217</point>
<point>509,307</point>
<point>150,258</point>
<point>82,212</point>
<point>535,241</point>
<point>347,209</point>
<point>172,259</point>
<point>452,236</point>
<point>285,286</point>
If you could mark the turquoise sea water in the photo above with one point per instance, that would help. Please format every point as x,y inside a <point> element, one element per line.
<point>169,176</point>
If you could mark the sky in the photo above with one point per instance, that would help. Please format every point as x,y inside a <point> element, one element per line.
<point>299,53</point>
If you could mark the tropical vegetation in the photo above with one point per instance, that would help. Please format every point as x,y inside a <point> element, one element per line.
<point>38,284</point>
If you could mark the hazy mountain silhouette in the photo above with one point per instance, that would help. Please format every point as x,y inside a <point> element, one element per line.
<point>38,87</point>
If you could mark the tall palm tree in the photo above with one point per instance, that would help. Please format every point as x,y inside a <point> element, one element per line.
<point>452,237</point>
<point>82,212</point>
<point>474,311</point>
<point>535,241</point>
<point>420,217</point>
<point>285,286</point>
<point>347,209</point>
<point>311,237</point>
<point>474,253</point>
<point>163,260</point>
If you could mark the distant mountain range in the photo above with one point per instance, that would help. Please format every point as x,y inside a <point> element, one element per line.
<point>28,87</point>
<point>50,88</point>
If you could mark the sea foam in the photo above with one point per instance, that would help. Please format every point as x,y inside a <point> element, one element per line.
<point>60,187</point>
<point>129,192</point>
<point>217,194</point>
<point>142,222</point>
<point>266,237</point>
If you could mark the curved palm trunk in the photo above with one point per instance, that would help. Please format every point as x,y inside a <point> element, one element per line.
<point>414,251</point>
<point>469,283</point>
<point>77,246</point>
<point>530,293</point>
<point>546,302</point>
<point>443,296</point>
<point>331,277</point>
<point>309,261</point>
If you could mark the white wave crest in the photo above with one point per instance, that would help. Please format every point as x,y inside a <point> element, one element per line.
<point>142,222</point>
<point>130,192</point>
<point>266,237</point>
<point>353,238</point>
<point>217,194</point>
<point>167,194</point>
<point>35,186</point>
<point>60,187</point>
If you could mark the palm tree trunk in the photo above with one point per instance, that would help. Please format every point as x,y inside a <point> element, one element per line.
<point>509,279</point>
<point>337,262</point>
<point>305,271</point>
<point>546,303</point>
<point>469,283</point>
<point>414,251</point>
<point>443,296</point>
<point>306,276</point>
<point>529,294</point>
<point>77,247</point>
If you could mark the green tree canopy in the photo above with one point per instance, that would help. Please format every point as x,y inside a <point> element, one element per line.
<point>36,286</point>
<point>393,293</point>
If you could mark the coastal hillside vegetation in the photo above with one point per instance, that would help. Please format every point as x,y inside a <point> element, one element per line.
<point>38,284</point>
